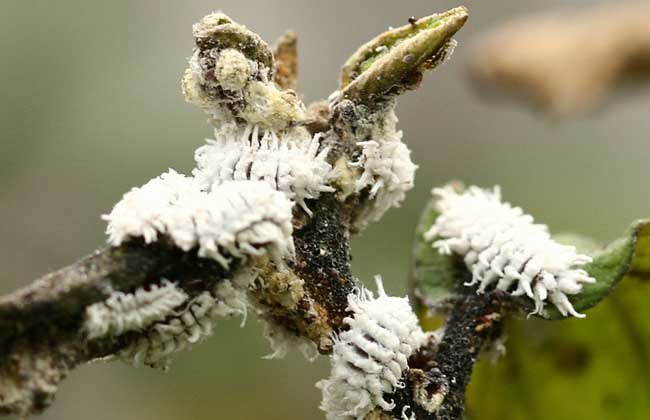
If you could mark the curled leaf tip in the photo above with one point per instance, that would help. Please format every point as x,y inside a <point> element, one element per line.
<point>395,60</point>
<point>640,265</point>
<point>217,30</point>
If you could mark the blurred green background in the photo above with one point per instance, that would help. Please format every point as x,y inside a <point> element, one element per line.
<point>91,106</point>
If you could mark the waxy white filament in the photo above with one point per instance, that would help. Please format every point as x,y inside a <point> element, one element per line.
<point>290,163</point>
<point>388,172</point>
<point>189,325</point>
<point>235,219</point>
<point>123,312</point>
<point>370,358</point>
<point>505,249</point>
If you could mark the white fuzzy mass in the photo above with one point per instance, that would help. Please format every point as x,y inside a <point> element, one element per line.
<point>234,219</point>
<point>123,312</point>
<point>369,359</point>
<point>504,248</point>
<point>389,173</point>
<point>290,163</point>
<point>193,323</point>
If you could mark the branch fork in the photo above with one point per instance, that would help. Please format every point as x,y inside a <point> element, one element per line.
<point>241,83</point>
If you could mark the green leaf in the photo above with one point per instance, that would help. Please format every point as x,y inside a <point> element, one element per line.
<point>629,255</point>
<point>640,267</point>
<point>433,276</point>
<point>397,58</point>
<point>593,368</point>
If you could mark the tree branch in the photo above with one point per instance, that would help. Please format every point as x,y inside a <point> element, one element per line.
<point>42,332</point>
<point>41,335</point>
<point>310,299</point>
<point>440,371</point>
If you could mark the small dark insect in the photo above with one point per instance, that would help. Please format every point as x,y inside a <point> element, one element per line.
<point>412,20</point>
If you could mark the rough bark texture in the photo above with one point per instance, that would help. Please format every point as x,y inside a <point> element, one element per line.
<point>440,372</point>
<point>310,298</point>
<point>323,260</point>
<point>54,304</point>
<point>474,322</point>
<point>41,334</point>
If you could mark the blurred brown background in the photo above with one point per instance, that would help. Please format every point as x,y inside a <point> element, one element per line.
<point>91,106</point>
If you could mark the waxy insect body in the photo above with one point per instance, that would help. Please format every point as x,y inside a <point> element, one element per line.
<point>503,248</point>
<point>123,312</point>
<point>290,162</point>
<point>389,173</point>
<point>189,325</point>
<point>235,219</point>
<point>369,359</point>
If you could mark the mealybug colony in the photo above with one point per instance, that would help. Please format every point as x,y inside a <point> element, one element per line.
<point>237,218</point>
<point>288,163</point>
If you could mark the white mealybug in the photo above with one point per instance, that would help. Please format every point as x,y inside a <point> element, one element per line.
<point>123,312</point>
<point>142,212</point>
<point>290,162</point>
<point>175,334</point>
<point>370,358</point>
<point>502,246</point>
<point>388,171</point>
<point>244,218</point>
<point>237,218</point>
<point>190,325</point>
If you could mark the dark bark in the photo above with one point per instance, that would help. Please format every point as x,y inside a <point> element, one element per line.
<point>53,306</point>
<point>439,373</point>
<point>41,336</point>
